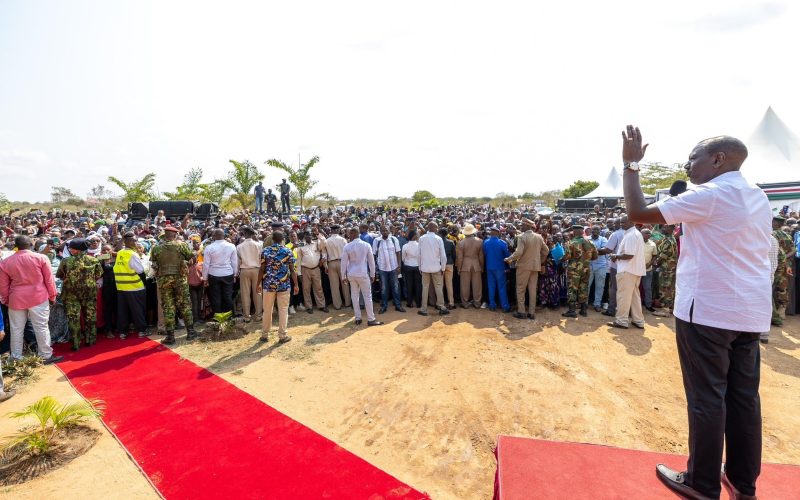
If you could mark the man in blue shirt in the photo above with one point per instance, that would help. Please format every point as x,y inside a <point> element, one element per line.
<point>599,267</point>
<point>495,252</point>
<point>259,192</point>
<point>364,234</point>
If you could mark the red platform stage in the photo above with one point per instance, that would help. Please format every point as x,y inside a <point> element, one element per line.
<point>535,469</point>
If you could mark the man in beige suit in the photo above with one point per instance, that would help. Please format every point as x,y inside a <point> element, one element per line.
<point>469,262</point>
<point>332,251</point>
<point>529,256</point>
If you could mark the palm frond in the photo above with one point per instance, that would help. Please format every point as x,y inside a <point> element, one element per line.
<point>280,165</point>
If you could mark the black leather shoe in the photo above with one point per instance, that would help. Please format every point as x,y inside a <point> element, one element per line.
<point>443,311</point>
<point>732,491</point>
<point>531,316</point>
<point>519,315</point>
<point>401,309</point>
<point>614,324</point>
<point>609,313</point>
<point>374,323</point>
<point>52,359</point>
<point>422,313</point>
<point>382,310</point>
<point>357,322</point>
<point>169,339</point>
<point>675,481</point>
<point>572,313</point>
<point>191,335</point>
<point>325,310</point>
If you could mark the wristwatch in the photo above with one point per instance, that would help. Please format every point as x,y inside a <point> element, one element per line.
<point>632,166</point>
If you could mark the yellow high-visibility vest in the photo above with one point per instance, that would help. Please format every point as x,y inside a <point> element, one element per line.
<point>127,279</point>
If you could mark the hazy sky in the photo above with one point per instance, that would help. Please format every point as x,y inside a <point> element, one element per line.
<point>461,98</point>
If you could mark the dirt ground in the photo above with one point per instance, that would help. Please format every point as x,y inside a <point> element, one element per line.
<point>425,398</point>
<point>105,471</point>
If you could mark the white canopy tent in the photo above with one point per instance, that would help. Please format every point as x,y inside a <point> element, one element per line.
<point>773,152</point>
<point>610,187</point>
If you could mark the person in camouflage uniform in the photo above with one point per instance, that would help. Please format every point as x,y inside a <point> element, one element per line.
<point>578,254</point>
<point>780,277</point>
<point>780,287</point>
<point>169,259</point>
<point>668,265</point>
<point>79,273</point>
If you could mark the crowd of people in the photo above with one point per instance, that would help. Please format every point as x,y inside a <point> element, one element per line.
<point>64,276</point>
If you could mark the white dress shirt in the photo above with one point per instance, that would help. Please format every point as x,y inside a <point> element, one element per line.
<point>614,239</point>
<point>220,259</point>
<point>410,254</point>
<point>357,260</point>
<point>386,250</point>
<point>632,244</point>
<point>723,276</point>
<point>432,258</point>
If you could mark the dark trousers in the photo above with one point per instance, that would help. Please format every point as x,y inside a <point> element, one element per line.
<point>131,307</point>
<point>612,290</point>
<point>721,372</point>
<point>413,282</point>
<point>285,207</point>
<point>196,296</point>
<point>220,289</point>
<point>110,307</point>
<point>389,282</point>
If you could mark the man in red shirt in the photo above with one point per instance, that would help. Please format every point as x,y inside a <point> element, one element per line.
<point>28,288</point>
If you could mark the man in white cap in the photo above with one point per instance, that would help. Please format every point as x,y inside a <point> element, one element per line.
<point>469,262</point>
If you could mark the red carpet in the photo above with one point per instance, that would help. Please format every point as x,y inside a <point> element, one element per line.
<point>532,468</point>
<point>197,436</point>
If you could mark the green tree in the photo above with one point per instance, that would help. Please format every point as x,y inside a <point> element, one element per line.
<point>242,179</point>
<point>191,189</point>
<point>655,176</point>
<point>422,197</point>
<point>143,189</point>
<point>579,188</point>
<point>299,177</point>
<point>214,192</point>
<point>5,205</point>
<point>60,194</point>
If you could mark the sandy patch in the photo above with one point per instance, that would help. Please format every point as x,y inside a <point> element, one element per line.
<point>425,398</point>
<point>103,472</point>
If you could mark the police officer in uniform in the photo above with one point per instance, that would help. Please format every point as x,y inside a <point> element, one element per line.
<point>285,206</point>
<point>578,254</point>
<point>169,259</point>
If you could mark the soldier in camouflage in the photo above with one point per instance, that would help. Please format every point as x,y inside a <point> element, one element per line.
<point>169,260</point>
<point>80,273</point>
<point>578,254</point>
<point>667,258</point>
<point>780,287</point>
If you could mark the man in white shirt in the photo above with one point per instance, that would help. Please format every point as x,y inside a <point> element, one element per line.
<point>249,254</point>
<point>612,245</point>
<point>220,267</point>
<point>432,263</point>
<point>650,251</point>
<point>719,315</point>
<point>387,253</point>
<point>358,269</point>
<point>311,259</point>
<point>332,253</point>
<point>630,269</point>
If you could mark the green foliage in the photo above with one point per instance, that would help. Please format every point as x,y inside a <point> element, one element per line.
<point>137,190</point>
<point>5,205</point>
<point>241,180</point>
<point>424,199</point>
<point>62,195</point>
<point>300,177</point>
<point>51,418</point>
<point>214,192</point>
<point>655,176</point>
<point>191,189</point>
<point>22,370</point>
<point>579,188</point>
